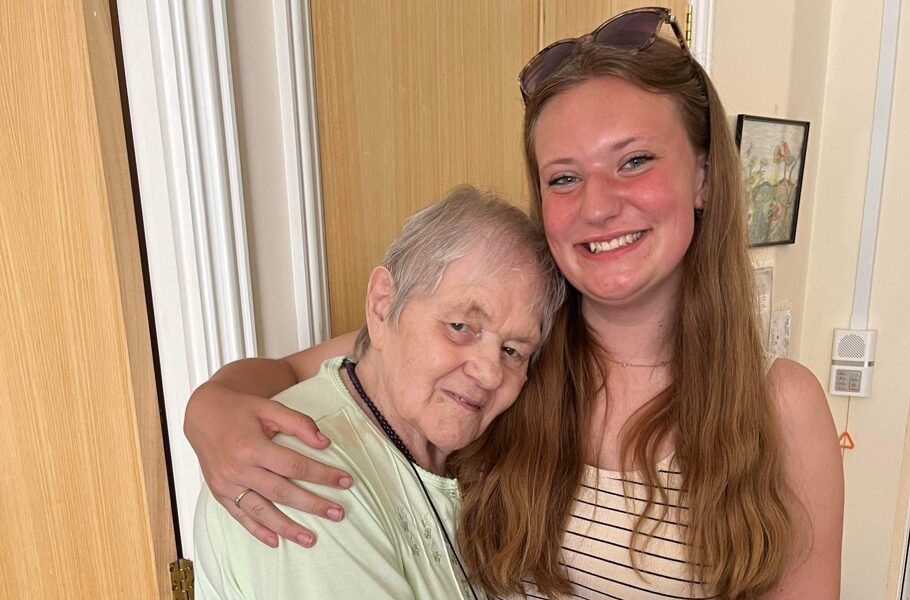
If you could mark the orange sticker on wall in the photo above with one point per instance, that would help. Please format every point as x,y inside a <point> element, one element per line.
<point>846,442</point>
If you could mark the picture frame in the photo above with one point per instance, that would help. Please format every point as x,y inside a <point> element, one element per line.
<point>772,159</point>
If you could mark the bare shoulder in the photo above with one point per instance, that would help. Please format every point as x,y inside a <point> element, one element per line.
<point>815,470</point>
<point>799,398</point>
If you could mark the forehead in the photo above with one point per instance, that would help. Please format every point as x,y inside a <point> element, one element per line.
<point>606,108</point>
<point>496,290</point>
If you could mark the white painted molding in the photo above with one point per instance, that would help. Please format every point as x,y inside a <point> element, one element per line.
<point>702,31</point>
<point>178,79</point>
<point>875,179</point>
<point>296,83</point>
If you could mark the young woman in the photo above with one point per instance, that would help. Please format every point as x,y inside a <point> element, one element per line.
<point>685,463</point>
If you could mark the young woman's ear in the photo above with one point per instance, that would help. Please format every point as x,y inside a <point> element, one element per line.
<point>380,294</point>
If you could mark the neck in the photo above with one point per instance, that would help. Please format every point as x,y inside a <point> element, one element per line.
<point>636,333</point>
<point>369,374</point>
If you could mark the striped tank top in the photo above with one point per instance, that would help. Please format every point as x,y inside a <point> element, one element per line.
<point>597,538</point>
<point>595,546</point>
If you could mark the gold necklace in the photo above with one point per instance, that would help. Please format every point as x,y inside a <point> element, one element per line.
<point>662,363</point>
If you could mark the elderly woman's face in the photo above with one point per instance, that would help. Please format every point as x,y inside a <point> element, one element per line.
<point>457,359</point>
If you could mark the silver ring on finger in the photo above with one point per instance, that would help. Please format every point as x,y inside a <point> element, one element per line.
<point>240,497</point>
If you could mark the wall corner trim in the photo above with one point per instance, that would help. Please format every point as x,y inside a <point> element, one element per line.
<point>297,98</point>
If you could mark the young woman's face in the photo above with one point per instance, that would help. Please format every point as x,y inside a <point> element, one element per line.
<point>620,184</point>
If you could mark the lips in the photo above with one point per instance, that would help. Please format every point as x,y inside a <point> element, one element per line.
<point>468,403</point>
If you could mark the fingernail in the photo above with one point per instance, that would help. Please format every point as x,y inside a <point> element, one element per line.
<point>273,542</point>
<point>305,539</point>
<point>321,436</point>
<point>334,513</point>
<point>345,482</point>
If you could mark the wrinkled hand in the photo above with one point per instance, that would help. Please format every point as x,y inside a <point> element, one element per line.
<point>232,436</point>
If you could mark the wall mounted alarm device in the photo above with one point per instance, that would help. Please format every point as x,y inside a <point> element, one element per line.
<point>852,359</point>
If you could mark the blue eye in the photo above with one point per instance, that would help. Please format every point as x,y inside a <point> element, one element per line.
<point>638,161</point>
<point>562,180</point>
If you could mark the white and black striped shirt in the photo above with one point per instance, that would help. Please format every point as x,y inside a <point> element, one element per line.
<point>596,541</point>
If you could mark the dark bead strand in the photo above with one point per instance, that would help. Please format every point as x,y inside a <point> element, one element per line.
<point>390,433</point>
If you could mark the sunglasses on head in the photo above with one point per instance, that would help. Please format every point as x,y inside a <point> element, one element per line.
<point>634,29</point>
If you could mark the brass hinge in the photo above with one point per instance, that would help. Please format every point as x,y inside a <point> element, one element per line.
<point>689,25</point>
<point>182,578</point>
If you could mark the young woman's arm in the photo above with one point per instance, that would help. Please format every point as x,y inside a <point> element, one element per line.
<point>230,422</point>
<point>815,469</point>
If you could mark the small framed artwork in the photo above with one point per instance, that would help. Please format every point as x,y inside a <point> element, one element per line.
<point>772,158</point>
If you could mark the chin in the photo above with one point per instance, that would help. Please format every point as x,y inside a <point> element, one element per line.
<point>453,443</point>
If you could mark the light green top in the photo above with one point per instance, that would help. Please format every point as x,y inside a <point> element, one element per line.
<point>389,544</point>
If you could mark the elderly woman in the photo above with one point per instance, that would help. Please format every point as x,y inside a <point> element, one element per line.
<point>462,302</point>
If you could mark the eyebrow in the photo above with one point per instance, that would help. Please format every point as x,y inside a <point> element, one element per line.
<point>473,309</point>
<point>614,147</point>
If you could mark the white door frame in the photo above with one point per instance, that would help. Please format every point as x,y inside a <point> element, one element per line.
<point>177,68</point>
<point>181,113</point>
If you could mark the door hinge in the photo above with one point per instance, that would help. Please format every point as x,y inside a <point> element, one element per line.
<point>182,578</point>
<point>689,25</point>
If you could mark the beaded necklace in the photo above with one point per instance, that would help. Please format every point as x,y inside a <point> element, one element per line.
<point>350,367</point>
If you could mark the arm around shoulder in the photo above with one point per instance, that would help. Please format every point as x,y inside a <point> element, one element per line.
<point>230,421</point>
<point>815,470</point>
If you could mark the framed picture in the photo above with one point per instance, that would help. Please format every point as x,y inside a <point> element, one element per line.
<point>772,156</point>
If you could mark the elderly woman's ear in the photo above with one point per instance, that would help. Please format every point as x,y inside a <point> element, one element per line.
<point>380,295</point>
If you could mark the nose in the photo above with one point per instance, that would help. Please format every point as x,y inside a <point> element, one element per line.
<point>484,366</point>
<point>599,198</point>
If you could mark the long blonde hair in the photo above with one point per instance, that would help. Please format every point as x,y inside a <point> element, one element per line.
<point>717,409</point>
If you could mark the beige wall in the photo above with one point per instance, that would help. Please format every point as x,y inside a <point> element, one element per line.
<point>802,60</point>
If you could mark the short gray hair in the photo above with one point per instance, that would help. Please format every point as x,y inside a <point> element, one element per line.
<point>443,232</point>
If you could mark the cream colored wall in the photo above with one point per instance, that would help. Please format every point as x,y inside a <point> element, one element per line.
<point>777,71</point>
<point>255,69</point>
<point>889,314</point>
<point>813,68</point>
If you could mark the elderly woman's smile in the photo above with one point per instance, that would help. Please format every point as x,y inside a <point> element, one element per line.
<point>454,359</point>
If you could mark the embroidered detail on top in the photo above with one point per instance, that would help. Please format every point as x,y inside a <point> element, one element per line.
<point>415,531</point>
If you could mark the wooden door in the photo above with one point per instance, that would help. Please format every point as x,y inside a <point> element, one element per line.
<point>415,97</point>
<point>83,491</point>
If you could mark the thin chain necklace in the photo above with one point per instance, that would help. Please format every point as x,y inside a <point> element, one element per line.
<point>350,367</point>
<point>662,363</point>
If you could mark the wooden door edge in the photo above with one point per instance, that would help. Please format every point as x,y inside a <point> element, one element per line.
<point>118,183</point>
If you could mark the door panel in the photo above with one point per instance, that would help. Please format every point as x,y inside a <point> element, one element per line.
<point>413,98</point>
<point>84,491</point>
